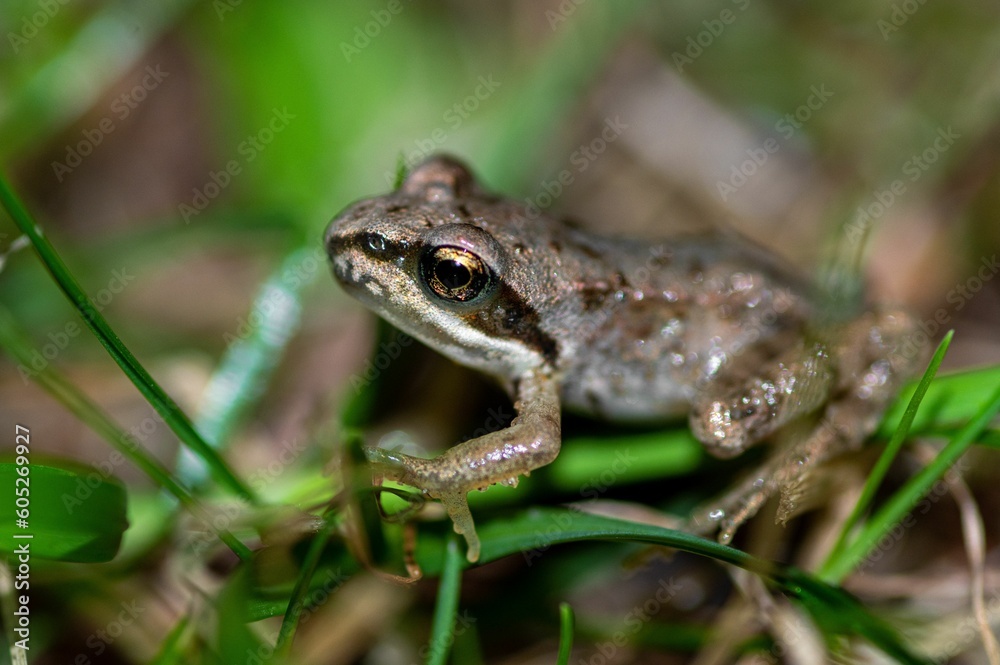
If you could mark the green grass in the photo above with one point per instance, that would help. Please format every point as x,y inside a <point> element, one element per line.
<point>137,374</point>
<point>565,633</point>
<point>447,603</point>
<point>837,557</point>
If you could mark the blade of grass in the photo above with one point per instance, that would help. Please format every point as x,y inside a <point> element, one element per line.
<point>466,650</point>
<point>172,648</point>
<point>881,467</point>
<point>447,602</point>
<point>362,500</point>
<point>297,601</point>
<point>94,417</point>
<point>565,633</point>
<point>946,405</point>
<point>990,438</point>
<point>150,389</point>
<point>532,532</point>
<point>235,640</point>
<point>907,497</point>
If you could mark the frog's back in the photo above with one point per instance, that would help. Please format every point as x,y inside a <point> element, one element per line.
<point>658,320</point>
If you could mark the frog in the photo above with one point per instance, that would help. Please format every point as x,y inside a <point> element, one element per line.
<point>708,326</point>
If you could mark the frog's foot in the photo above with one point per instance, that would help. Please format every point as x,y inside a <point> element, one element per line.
<point>723,516</point>
<point>434,479</point>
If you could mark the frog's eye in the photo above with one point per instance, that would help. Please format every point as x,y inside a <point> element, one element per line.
<point>456,274</point>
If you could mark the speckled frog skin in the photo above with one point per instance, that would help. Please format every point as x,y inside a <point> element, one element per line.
<point>711,327</point>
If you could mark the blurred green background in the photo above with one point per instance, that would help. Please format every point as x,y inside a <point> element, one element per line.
<point>184,158</point>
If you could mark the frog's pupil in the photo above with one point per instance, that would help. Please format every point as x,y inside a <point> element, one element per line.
<point>453,274</point>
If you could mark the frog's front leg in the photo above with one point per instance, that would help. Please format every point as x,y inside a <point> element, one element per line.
<point>531,441</point>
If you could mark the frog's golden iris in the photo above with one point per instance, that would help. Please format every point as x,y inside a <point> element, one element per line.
<point>456,274</point>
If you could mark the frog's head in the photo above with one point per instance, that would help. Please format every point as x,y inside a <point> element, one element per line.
<point>433,259</point>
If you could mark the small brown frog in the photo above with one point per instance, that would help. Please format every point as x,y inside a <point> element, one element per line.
<point>710,326</point>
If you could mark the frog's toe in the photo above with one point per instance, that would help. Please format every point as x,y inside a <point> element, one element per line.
<point>472,541</point>
<point>458,510</point>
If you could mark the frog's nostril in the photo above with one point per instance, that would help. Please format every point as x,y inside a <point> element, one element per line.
<point>373,242</point>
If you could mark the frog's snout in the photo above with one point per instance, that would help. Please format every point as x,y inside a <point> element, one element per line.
<point>336,252</point>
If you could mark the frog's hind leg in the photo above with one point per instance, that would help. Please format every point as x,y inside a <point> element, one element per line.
<point>742,408</point>
<point>871,365</point>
